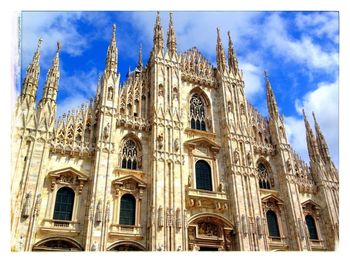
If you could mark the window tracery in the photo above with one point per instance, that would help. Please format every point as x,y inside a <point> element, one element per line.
<point>265,180</point>
<point>130,155</point>
<point>197,113</point>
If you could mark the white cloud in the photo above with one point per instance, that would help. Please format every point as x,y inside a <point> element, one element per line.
<point>303,50</point>
<point>252,75</point>
<point>321,24</point>
<point>323,101</point>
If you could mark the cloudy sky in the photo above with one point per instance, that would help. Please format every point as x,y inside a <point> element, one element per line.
<point>299,50</point>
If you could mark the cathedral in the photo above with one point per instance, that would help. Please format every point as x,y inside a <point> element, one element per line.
<point>174,159</point>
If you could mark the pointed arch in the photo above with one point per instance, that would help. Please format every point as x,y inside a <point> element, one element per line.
<point>266,180</point>
<point>200,110</point>
<point>131,152</point>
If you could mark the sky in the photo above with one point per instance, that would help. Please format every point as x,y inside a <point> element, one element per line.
<point>299,51</point>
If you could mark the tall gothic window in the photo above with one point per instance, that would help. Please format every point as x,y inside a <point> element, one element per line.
<point>64,204</point>
<point>197,113</point>
<point>264,180</point>
<point>129,155</point>
<point>203,175</point>
<point>311,226</point>
<point>127,210</point>
<point>272,224</point>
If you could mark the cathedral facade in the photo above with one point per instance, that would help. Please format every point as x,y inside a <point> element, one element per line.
<point>175,159</point>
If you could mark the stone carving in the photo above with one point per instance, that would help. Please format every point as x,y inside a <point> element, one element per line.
<point>178,218</point>
<point>169,218</point>
<point>258,225</point>
<point>236,156</point>
<point>107,212</point>
<point>289,165</point>
<point>176,145</point>
<point>106,131</point>
<point>208,229</point>
<point>249,159</point>
<point>26,206</point>
<point>160,216</point>
<point>98,218</point>
<point>190,180</point>
<point>37,205</point>
<point>221,187</point>
<point>161,90</point>
<point>195,247</point>
<point>110,93</point>
<point>160,139</point>
<point>94,246</point>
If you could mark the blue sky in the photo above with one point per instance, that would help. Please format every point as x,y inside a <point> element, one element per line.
<point>299,50</point>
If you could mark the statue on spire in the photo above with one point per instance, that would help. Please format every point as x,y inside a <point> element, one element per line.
<point>232,59</point>
<point>158,35</point>
<point>220,53</point>
<point>171,41</point>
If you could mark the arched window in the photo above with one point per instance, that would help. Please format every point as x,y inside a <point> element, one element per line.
<point>129,155</point>
<point>64,204</point>
<point>127,210</point>
<point>272,224</point>
<point>311,226</point>
<point>197,113</point>
<point>203,175</point>
<point>264,178</point>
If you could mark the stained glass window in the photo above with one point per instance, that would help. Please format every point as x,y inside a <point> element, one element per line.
<point>64,204</point>
<point>272,224</point>
<point>129,155</point>
<point>127,210</point>
<point>264,180</point>
<point>203,175</point>
<point>311,226</point>
<point>197,113</point>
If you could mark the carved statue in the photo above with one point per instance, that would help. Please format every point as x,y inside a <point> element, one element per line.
<point>110,93</point>
<point>25,209</point>
<point>94,246</point>
<point>190,180</point>
<point>236,156</point>
<point>37,205</point>
<point>106,131</point>
<point>160,217</point>
<point>249,158</point>
<point>221,187</point>
<point>98,212</point>
<point>178,218</point>
<point>160,139</point>
<point>107,211</point>
<point>176,144</point>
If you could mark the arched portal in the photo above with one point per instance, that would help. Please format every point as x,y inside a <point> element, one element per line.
<point>126,246</point>
<point>58,244</point>
<point>210,232</point>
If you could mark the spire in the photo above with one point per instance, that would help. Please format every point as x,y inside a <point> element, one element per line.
<point>52,78</point>
<point>158,35</point>
<point>232,59</point>
<point>139,64</point>
<point>220,53</point>
<point>271,100</point>
<point>321,142</point>
<point>31,80</point>
<point>171,41</point>
<point>112,54</point>
<point>310,139</point>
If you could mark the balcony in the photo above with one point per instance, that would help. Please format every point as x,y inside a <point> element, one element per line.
<point>126,231</point>
<point>278,243</point>
<point>198,198</point>
<point>71,228</point>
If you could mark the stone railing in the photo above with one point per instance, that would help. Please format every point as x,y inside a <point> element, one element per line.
<point>125,230</point>
<point>64,226</point>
